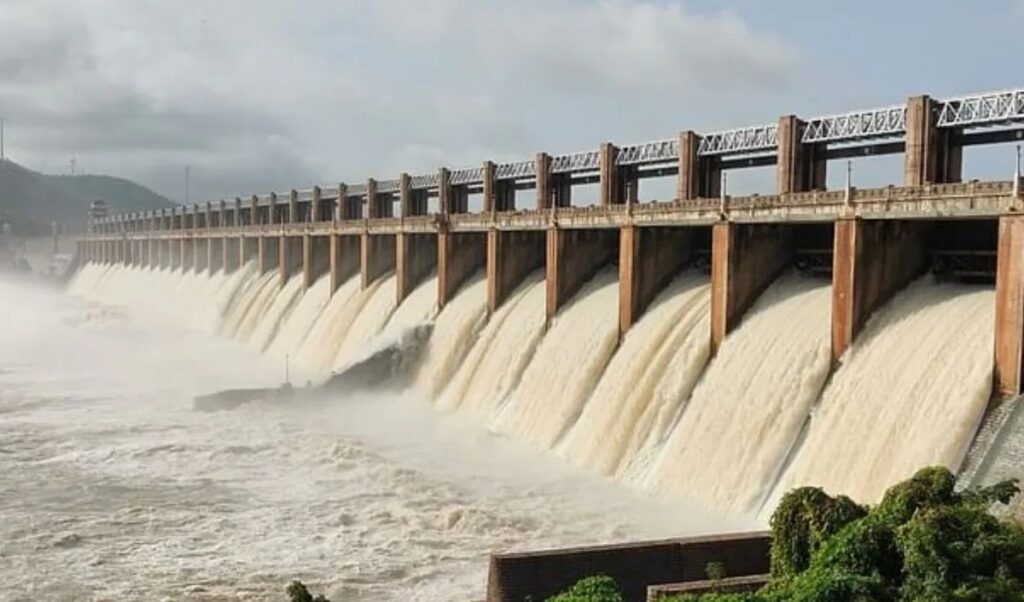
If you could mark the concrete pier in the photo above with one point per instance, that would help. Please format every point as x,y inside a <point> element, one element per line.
<point>511,256</point>
<point>1009,326</point>
<point>745,259</point>
<point>573,258</point>
<point>872,260</point>
<point>416,258</point>
<point>459,256</point>
<point>648,259</point>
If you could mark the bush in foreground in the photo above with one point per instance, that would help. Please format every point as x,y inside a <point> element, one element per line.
<point>924,542</point>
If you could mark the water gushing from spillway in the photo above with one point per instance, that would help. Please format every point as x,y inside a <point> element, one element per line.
<point>909,393</point>
<point>650,410</point>
<point>500,354</point>
<point>565,367</point>
<point>671,339</point>
<point>748,409</point>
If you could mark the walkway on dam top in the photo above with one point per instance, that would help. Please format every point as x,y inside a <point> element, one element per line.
<point>930,133</point>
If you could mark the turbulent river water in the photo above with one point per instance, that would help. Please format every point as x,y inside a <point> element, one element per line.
<point>113,488</point>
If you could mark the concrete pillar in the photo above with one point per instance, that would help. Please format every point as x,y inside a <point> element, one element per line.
<point>745,259</point>
<point>289,255</point>
<point>377,256</point>
<point>648,259</point>
<point>416,257</point>
<point>573,258</point>
<point>871,261</point>
<point>459,255</point>
<point>933,155</point>
<point>542,167</point>
<point>372,206</point>
<point>444,190</point>
<point>801,167</point>
<point>489,188</point>
<point>345,258</point>
<point>1009,326</point>
<point>308,271</point>
<point>511,256</point>
<point>699,177</point>
<point>610,187</point>
<point>213,254</point>
<point>293,207</point>
<point>405,195</point>
<point>262,255</point>
<point>272,210</point>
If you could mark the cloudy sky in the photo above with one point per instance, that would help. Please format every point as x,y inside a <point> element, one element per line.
<point>260,95</point>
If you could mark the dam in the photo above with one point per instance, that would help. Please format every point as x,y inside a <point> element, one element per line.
<point>716,348</point>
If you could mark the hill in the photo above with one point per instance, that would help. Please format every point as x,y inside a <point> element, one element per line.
<point>31,200</point>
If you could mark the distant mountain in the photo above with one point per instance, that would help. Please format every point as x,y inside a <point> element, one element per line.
<point>31,200</point>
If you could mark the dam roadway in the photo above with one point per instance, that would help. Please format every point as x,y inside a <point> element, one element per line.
<point>870,242</point>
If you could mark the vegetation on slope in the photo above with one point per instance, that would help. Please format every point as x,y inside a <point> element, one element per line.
<point>924,542</point>
<point>31,200</point>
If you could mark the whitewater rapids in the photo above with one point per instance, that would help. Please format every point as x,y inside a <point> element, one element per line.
<point>111,487</point>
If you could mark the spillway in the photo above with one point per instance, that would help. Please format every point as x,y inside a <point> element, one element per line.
<point>318,350</point>
<point>651,410</point>
<point>297,326</point>
<point>565,367</point>
<point>279,309</point>
<point>454,330</point>
<point>617,416</point>
<point>747,410</point>
<point>900,399</point>
<point>500,354</point>
<point>376,304</point>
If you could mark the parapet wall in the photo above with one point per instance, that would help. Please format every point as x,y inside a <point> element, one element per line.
<point>634,566</point>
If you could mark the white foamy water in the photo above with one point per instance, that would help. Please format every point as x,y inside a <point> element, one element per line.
<point>747,410</point>
<point>318,351</point>
<point>300,321</point>
<point>280,307</point>
<point>610,427</point>
<point>909,393</point>
<point>244,316</point>
<point>567,364</point>
<point>419,307</point>
<point>500,353</point>
<point>454,330</point>
<point>111,487</point>
<point>376,304</point>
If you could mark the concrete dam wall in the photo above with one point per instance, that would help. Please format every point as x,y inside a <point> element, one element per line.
<point>716,348</point>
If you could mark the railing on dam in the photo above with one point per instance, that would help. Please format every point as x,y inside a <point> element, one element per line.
<point>976,198</point>
<point>931,134</point>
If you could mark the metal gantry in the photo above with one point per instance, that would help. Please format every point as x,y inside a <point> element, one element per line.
<point>739,141</point>
<point>576,162</point>
<point>423,182</point>
<point>648,153</point>
<point>974,111</point>
<point>978,110</point>
<point>857,125</point>
<point>467,176</point>
<point>515,170</point>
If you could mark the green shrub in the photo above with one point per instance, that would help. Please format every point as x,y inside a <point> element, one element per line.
<point>924,542</point>
<point>599,588</point>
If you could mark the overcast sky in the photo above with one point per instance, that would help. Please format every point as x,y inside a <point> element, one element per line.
<point>259,95</point>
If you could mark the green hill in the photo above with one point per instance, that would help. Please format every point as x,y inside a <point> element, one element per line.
<point>31,200</point>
